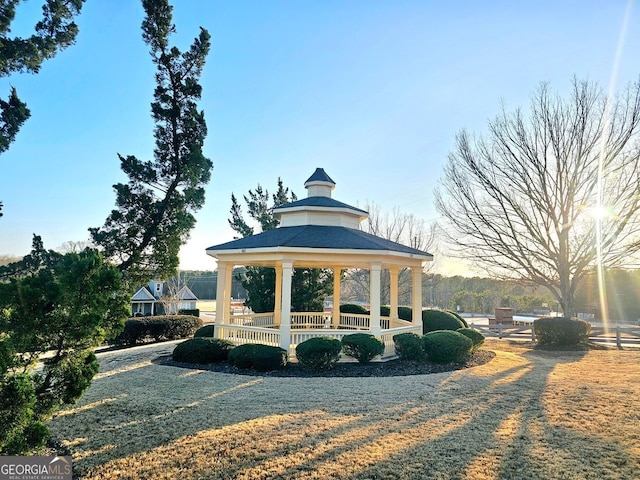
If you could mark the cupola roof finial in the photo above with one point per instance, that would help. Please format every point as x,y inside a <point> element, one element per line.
<point>319,184</point>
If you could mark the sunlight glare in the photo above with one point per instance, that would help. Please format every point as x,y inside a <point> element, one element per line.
<point>600,187</point>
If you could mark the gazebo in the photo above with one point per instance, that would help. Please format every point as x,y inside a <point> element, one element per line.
<point>317,232</point>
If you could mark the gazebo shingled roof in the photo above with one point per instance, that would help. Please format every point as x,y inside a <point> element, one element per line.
<point>318,236</point>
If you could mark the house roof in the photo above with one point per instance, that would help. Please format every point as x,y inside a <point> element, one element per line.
<point>142,295</point>
<point>185,293</point>
<point>318,237</point>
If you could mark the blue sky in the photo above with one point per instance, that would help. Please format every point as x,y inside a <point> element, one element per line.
<point>372,91</point>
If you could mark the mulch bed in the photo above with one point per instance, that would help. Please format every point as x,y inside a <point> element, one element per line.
<point>392,368</point>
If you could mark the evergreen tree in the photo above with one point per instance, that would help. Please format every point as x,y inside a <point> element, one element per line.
<point>309,286</point>
<point>70,303</point>
<point>62,304</point>
<point>54,32</point>
<point>155,208</point>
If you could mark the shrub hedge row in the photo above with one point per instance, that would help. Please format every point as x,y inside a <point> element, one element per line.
<point>319,353</point>
<point>258,357</point>
<point>202,350</point>
<point>353,308</point>
<point>157,329</point>
<point>432,318</point>
<point>408,346</point>
<point>322,353</point>
<point>205,331</point>
<point>561,331</point>
<point>445,346</point>
<point>475,336</point>
<point>362,346</point>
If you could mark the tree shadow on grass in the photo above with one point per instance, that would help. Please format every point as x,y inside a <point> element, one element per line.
<point>514,438</point>
<point>485,422</point>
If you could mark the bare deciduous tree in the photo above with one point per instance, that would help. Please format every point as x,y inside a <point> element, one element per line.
<point>72,246</point>
<point>404,228</point>
<point>171,298</point>
<point>550,195</point>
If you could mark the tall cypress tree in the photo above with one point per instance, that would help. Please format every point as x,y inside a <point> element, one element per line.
<point>155,208</point>
<point>54,32</point>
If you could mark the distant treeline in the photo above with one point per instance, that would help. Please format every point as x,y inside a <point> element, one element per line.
<point>481,295</point>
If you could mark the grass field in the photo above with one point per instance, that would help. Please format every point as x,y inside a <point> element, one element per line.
<point>524,415</point>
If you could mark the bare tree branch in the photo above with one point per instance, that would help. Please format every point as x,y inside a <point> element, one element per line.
<point>526,200</point>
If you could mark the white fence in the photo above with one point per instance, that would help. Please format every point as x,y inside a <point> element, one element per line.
<point>617,335</point>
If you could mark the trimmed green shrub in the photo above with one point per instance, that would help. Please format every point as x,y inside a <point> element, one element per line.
<point>405,313</point>
<point>353,308</point>
<point>476,337</point>
<point>187,311</point>
<point>408,346</point>
<point>459,317</point>
<point>362,346</point>
<point>259,357</point>
<point>157,329</point>
<point>206,331</point>
<point>561,331</point>
<point>202,350</point>
<point>434,319</point>
<point>319,353</point>
<point>446,346</point>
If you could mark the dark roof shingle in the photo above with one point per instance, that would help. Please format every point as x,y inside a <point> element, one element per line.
<point>319,176</point>
<point>326,202</point>
<point>317,236</point>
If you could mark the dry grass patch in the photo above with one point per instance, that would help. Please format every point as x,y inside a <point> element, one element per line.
<point>526,414</point>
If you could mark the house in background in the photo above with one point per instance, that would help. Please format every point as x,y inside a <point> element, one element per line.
<point>159,298</point>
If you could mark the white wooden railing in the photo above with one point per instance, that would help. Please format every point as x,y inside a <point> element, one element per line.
<point>250,334</point>
<point>355,321</point>
<point>253,319</point>
<point>310,320</point>
<point>299,336</point>
<point>261,328</point>
<point>387,337</point>
<point>397,323</point>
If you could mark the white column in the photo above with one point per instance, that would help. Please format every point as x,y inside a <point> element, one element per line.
<point>228,276</point>
<point>285,322</point>
<point>335,321</point>
<point>416,295</point>
<point>221,298</point>
<point>374,298</point>
<point>393,293</point>
<point>277,307</point>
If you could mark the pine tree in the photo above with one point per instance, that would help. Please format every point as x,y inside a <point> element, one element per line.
<point>54,32</point>
<point>155,208</point>
<point>62,304</point>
